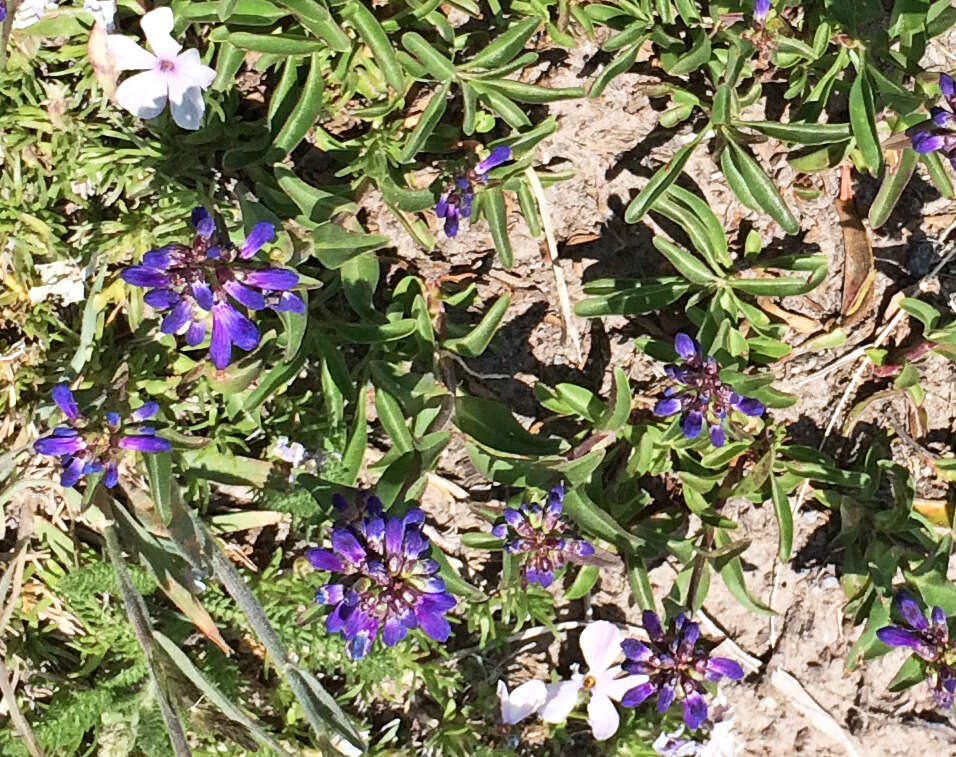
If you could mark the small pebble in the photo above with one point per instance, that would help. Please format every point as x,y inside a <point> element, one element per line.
<point>830,582</point>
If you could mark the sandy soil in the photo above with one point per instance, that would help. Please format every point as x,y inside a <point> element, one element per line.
<point>614,144</point>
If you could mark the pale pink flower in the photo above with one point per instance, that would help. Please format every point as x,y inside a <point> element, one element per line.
<point>168,73</point>
<point>525,700</point>
<point>601,647</point>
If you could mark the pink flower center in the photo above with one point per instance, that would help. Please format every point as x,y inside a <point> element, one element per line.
<point>589,682</point>
<point>167,65</point>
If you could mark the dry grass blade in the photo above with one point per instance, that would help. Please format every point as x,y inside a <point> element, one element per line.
<point>19,722</point>
<point>564,300</point>
<point>797,696</point>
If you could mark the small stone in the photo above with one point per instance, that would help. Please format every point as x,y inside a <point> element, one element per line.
<point>830,582</point>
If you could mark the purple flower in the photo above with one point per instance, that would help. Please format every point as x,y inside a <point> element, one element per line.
<point>200,284</point>
<point>544,536</point>
<point>85,446</point>
<point>382,580</point>
<point>939,133</point>
<point>761,9</point>
<point>676,667</point>
<point>455,202</point>
<point>929,640</point>
<point>700,396</point>
<point>3,11</point>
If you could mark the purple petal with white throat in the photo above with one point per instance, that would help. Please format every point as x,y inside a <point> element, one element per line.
<point>273,279</point>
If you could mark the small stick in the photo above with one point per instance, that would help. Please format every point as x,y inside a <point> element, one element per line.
<point>563,298</point>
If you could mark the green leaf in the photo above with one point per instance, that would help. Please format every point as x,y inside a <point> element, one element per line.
<point>863,122</point>
<point>369,333</point>
<point>392,418</point>
<point>528,93</point>
<point>761,189</point>
<point>800,133</point>
<point>492,424</point>
<point>921,311</point>
<point>354,452</point>
<point>435,63</point>
<point>494,210</point>
<point>315,17</point>
<point>375,37</point>
<point>634,300</point>
<point>214,695</point>
<point>304,114</point>
<point>781,286</point>
<point>333,245</point>
<point>618,65</point>
<point>938,174</point>
<point>583,582</point>
<point>359,278</point>
<point>476,341</point>
<point>619,408</point>
<point>505,46</point>
<point>732,573</point>
<point>426,123</point>
<point>275,44</point>
<point>159,472</point>
<point>781,506</point>
<point>686,264</point>
<point>911,673</point>
<point>593,520</point>
<point>660,181</point>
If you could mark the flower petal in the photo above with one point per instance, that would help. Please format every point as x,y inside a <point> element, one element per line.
<point>63,398</point>
<point>602,717</point>
<point>202,221</point>
<point>242,332</point>
<point>202,294</point>
<point>560,700</point>
<point>244,295</point>
<point>260,234</point>
<point>600,645</point>
<point>525,700</point>
<point>910,611</point>
<point>638,694</point>
<point>143,95</point>
<point>749,406</point>
<point>146,410</point>
<point>498,155</point>
<point>191,72</point>
<point>195,333</point>
<point>59,445</point>
<point>685,346</point>
<point>695,710</point>
<point>111,476</point>
<point>143,276</point>
<point>288,303</point>
<point>176,318</point>
<point>157,26</point>
<point>127,55</point>
<point>717,436</point>
<point>72,472</point>
<point>692,424</point>
<point>146,444</point>
<point>161,299</point>
<point>667,406</point>
<point>718,667</point>
<point>187,113</point>
<point>274,279</point>
<point>324,559</point>
<point>433,624</point>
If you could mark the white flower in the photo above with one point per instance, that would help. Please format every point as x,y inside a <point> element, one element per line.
<point>167,73</point>
<point>291,453</point>
<point>103,12</point>
<point>31,11</point>
<point>601,647</point>
<point>59,279</point>
<point>523,701</point>
<point>721,740</point>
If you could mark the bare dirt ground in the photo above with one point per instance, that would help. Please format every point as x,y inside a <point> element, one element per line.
<point>614,144</point>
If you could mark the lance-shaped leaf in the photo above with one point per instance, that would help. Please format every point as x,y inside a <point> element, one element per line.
<point>660,181</point>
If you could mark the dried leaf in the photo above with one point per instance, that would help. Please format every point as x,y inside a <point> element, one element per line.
<point>799,323</point>
<point>939,512</point>
<point>104,68</point>
<point>859,271</point>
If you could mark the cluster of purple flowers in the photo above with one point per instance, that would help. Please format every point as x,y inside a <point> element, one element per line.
<point>381,579</point>
<point>700,395</point>
<point>201,281</point>
<point>940,133</point>
<point>929,640</point>
<point>675,666</point>
<point>84,447</point>
<point>455,202</point>
<point>544,536</point>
